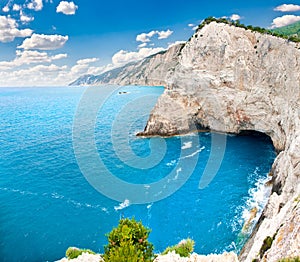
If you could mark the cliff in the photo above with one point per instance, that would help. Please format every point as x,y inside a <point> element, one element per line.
<point>231,80</point>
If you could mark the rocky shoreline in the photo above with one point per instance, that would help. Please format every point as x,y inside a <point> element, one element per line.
<point>230,79</point>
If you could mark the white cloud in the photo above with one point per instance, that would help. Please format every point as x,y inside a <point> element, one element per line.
<point>46,75</point>
<point>93,70</point>
<point>87,61</point>
<point>193,26</point>
<point>40,75</point>
<point>235,17</point>
<point>67,8</point>
<point>145,37</point>
<point>164,34</point>
<point>176,43</point>
<point>142,45</point>
<point>79,69</point>
<point>9,30</point>
<point>36,5</point>
<point>285,20</point>
<point>16,7</point>
<point>49,68</point>
<point>287,8</point>
<point>5,9</point>
<point>37,68</point>
<point>29,57</point>
<point>44,42</point>
<point>24,18</point>
<point>58,56</point>
<point>123,57</point>
<point>82,66</point>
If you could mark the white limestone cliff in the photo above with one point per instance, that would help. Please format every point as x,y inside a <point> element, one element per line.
<point>230,79</point>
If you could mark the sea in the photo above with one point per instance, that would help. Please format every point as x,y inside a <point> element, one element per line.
<point>71,166</point>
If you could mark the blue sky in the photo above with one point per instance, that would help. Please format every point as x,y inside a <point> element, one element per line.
<point>52,42</point>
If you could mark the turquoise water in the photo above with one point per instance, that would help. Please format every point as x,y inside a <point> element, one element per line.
<point>47,204</point>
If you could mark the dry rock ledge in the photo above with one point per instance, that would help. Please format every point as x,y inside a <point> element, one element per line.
<point>230,79</point>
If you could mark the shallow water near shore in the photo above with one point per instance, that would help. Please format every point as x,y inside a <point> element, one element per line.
<point>47,204</point>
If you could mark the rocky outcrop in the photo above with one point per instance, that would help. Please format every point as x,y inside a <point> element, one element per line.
<point>230,79</point>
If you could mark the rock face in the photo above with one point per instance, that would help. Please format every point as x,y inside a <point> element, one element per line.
<point>230,79</point>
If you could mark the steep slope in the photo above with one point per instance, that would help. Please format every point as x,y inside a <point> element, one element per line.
<point>231,79</point>
<point>153,70</point>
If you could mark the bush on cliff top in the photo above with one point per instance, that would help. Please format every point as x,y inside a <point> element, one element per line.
<point>128,243</point>
<point>74,252</point>
<point>184,248</point>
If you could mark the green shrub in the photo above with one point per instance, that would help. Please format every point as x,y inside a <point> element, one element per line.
<point>293,259</point>
<point>126,252</point>
<point>128,243</point>
<point>208,20</point>
<point>265,246</point>
<point>184,248</point>
<point>74,252</point>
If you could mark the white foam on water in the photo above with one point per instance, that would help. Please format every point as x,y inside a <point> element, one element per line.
<point>22,192</point>
<point>55,195</point>
<point>104,209</point>
<point>172,163</point>
<point>258,198</point>
<point>122,205</point>
<point>177,173</point>
<point>149,206</point>
<point>194,153</point>
<point>187,145</point>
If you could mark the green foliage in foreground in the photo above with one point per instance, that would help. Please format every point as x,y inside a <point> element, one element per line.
<point>128,243</point>
<point>277,33</point>
<point>293,259</point>
<point>73,252</point>
<point>184,248</point>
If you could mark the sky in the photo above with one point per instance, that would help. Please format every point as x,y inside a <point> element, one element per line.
<point>53,42</point>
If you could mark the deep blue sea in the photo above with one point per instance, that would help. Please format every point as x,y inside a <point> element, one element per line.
<point>184,186</point>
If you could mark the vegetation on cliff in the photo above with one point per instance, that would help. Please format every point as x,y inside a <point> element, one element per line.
<point>184,248</point>
<point>289,30</point>
<point>129,240</point>
<point>74,252</point>
<point>284,33</point>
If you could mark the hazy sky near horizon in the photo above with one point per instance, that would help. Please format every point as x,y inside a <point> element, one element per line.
<point>52,42</point>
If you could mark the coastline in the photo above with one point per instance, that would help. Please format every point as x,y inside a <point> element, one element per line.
<point>227,79</point>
